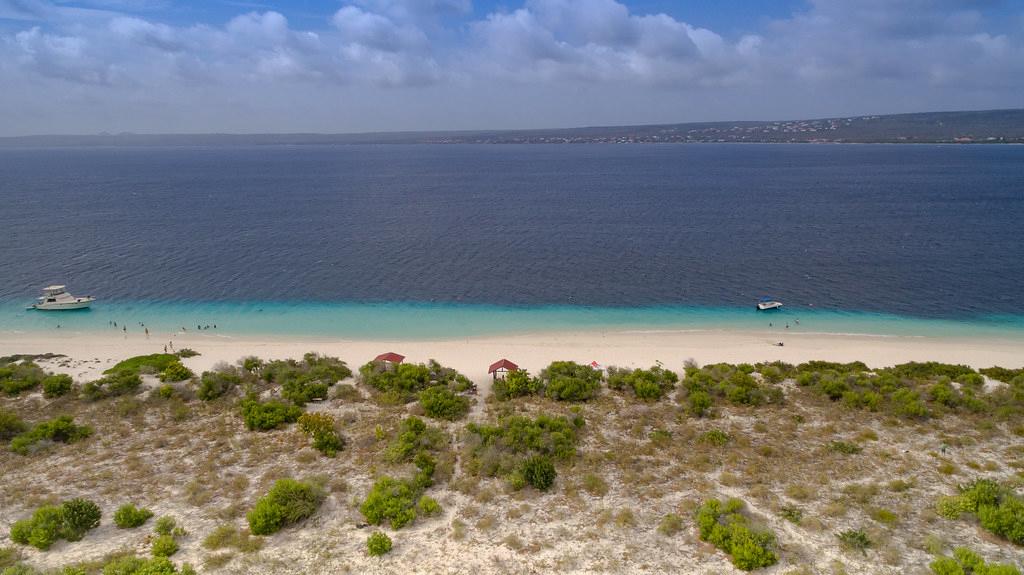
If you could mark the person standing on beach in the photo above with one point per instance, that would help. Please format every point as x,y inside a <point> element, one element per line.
<point>147,333</point>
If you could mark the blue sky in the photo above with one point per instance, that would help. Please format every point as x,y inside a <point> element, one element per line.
<point>88,66</point>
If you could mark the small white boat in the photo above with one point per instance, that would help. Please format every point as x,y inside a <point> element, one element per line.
<point>767,303</point>
<point>57,298</point>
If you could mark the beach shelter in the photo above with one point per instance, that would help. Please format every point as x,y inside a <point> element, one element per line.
<point>501,368</point>
<point>390,359</point>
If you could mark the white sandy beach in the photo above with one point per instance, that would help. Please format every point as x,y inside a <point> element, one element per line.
<point>91,353</point>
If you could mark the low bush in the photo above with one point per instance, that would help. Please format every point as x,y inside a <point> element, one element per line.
<point>186,353</point>
<point>391,500</point>
<point>855,539</point>
<point>999,510</point>
<point>570,381</point>
<point>502,449</point>
<point>405,381</point>
<point>61,429</point>
<point>539,472</point>
<point>70,520</point>
<point>115,384</point>
<point>517,383</point>
<point>646,384</point>
<point>288,501</point>
<point>321,427</point>
<point>267,415</point>
<point>967,562</point>
<point>154,363</point>
<point>439,402</point>
<point>670,525</point>
<point>414,437</point>
<point>306,380</point>
<point>727,528</point>
<point>57,385</point>
<point>142,566</point>
<point>732,383</point>
<point>378,544</point>
<point>10,425</point>
<point>715,437</point>
<point>164,546</point>
<point>216,384</point>
<point>18,377</point>
<point>176,372</point>
<point>128,516</point>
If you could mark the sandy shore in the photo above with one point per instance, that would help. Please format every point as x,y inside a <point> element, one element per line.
<point>94,352</point>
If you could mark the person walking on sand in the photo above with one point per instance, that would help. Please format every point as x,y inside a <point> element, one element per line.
<point>147,333</point>
<point>165,349</point>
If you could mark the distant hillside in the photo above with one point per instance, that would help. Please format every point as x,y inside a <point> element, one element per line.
<point>990,126</point>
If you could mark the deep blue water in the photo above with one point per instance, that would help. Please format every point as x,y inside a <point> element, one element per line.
<point>926,231</point>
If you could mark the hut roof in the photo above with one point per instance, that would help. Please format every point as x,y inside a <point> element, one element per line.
<point>500,364</point>
<point>390,357</point>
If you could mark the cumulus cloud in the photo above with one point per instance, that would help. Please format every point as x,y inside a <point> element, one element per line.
<point>407,64</point>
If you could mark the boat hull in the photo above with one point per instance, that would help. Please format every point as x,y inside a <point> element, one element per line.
<point>62,306</point>
<point>768,306</point>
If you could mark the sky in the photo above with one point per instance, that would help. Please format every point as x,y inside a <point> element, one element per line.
<point>259,66</point>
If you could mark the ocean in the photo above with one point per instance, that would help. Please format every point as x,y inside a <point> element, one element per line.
<point>453,240</point>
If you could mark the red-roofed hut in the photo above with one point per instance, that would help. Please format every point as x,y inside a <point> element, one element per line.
<point>501,368</point>
<point>390,359</point>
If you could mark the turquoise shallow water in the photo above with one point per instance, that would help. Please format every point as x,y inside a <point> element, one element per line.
<point>449,321</point>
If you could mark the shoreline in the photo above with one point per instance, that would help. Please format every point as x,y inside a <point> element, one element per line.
<point>89,353</point>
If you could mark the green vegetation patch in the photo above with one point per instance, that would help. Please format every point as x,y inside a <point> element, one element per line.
<point>70,520</point>
<point>998,509</point>
<point>322,429</point>
<point>154,363</point>
<point>734,384</point>
<point>268,415</point>
<point>18,377</point>
<point>288,501</point>
<point>570,381</point>
<point>10,425</point>
<point>113,385</point>
<point>646,384</point>
<point>402,383</point>
<point>57,385</point>
<point>440,402</point>
<point>218,383</point>
<point>378,544</point>
<point>967,562</point>
<point>61,429</point>
<point>522,449</point>
<point>725,526</point>
<point>517,383</point>
<point>229,536</point>
<point>306,380</point>
<point>128,516</point>
<point>176,372</point>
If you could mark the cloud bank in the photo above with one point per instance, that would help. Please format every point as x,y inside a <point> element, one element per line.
<point>440,64</point>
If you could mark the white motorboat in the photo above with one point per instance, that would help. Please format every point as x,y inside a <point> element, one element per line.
<point>767,303</point>
<point>57,298</point>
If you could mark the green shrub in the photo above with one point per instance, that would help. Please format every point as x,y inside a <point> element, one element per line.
<point>140,566</point>
<point>9,556</point>
<point>186,353</point>
<point>272,414</point>
<point>414,436</point>
<point>733,383</point>
<point>216,384</point>
<point>855,539</point>
<point>441,403</point>
<point>999,511</point>
<point>57,385</point>
<point>699,403</point>
<point>406,380</point>
<point>18,377</point>
<point>539,472</point>
<point>129,516</point>
<point>428,506</point>
<point>306,380</point>
<point>791,514</point>
<point>321,428</point>
<point>647,384</point>
<point>715,437</point>
<point>164,546</point>
<point>154,363</point>
<point>501,449</point>
<point>176,372</point>
<point>391,500</point>
<point>966,562</point>
<point>289,501</point>
<point>728,529</point>
<point>570,381</point>
<point>71,521</point>
<point>61,429</point>
<point>10,425</point>
<point>378,544</point>
<point>115,384</point>
<point>517,383</point>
